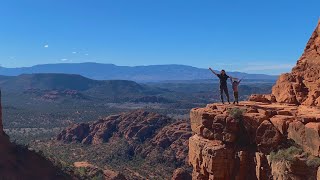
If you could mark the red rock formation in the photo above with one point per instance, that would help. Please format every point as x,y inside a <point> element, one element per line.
<point>232,145</point>
<point>302,85</point>
<point>137,125</point>
<point>228,145</point>
<point>147,133</point>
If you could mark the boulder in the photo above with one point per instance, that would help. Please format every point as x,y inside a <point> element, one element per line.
<point>260,98</point>
<point>312,144</point>
<point>282,122</point>
<point>296,132</point>
<point>268,137</point>
<point>307,136</point>
<point>251,121</point>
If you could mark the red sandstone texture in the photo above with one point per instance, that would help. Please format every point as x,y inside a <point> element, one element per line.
<point>302,85</point>
<point>229,145</point>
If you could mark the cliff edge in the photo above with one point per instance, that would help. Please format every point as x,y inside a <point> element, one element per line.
<point>275,136</point>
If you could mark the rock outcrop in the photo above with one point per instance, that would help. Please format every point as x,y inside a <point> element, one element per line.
<point>233,142</point>
<point>146,132</point>
<point>274,136</point>
<point>137,125</point>
<point>302,85</point>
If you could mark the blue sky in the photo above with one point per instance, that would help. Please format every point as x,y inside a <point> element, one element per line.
<point>250,36</point>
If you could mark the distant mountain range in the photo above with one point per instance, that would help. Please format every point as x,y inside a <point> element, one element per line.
<point>61,82</point>
<point>150,73</point>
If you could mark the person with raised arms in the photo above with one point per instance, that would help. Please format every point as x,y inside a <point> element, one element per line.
<point>223,77</point>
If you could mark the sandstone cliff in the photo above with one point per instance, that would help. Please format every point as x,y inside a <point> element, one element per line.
<point>275,136</point>
<point>302,85</point>
<point>233,142</point>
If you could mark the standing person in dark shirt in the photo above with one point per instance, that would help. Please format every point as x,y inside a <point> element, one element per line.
<point>223,84</point>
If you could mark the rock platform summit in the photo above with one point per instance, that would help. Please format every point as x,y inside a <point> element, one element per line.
<point>235,141</point>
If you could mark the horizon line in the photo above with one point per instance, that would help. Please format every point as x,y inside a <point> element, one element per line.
<point>70,63</point>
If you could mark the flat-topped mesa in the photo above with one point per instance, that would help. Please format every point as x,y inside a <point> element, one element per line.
<point>302,85</point>
<point>234,141</point>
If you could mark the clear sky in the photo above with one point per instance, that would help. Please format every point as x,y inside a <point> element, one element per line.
<point>257,36</point>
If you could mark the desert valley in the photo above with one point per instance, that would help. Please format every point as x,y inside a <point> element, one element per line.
<point>159,90</point>
<point>128,130</point>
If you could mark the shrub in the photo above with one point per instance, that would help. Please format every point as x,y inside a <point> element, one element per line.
<point>288,154</point>
<point>81,171</point>
<point>236,112</point>
<point>98,177</point>
<point>313,161</point>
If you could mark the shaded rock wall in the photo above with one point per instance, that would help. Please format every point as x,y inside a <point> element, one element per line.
<point>17,162</point>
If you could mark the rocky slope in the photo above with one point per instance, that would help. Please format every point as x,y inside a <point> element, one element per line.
<point>275,136</point>
<point>235,141</point>
<point>302,85</point>
<point>154,137</point>
<point>17,162</point>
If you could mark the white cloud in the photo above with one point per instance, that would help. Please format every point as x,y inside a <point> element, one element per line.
<point>46,46</point>
<point>86,54</point>
<point>74,52</point>
<point>64,59</point>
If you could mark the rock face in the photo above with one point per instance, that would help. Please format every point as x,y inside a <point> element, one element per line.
<point>233,142</point>
<point>302,85</point>
<point>137,125</point>
<point>17,162</point>
<point>146,132</point>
